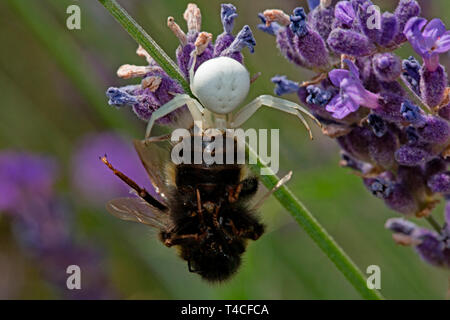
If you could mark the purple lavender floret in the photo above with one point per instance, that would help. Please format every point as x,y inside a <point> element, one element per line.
<point>352,93</point>
<point>433,85</point>
<point>350,42</point>
<point>298,22</point>
<point>405,10</point>
<point>321,20</point>
<point>412,113</point>
<point>387,66</point>
<point>432,247</point>
<point>440,183</point>
<point>318,96</point>
<point>378,125</point>
<point>429,40</point>
<point>243,39</point>
<point>345,14</point>
<point>389,29</point>
<point>284,85</point>
<point>411,74</point>
<point>42,222</point>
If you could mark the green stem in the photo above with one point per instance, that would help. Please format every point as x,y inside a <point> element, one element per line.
<point>303,217</point>
<point>147,42</point>
<point>316,232</point>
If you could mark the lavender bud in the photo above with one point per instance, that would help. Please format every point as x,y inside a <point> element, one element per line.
<point>411,75</point>
<point>228,14</point>
<point>399,225</point>
<point>298,22</point>
<point>382,150</point>
<point>285,42</point>
<point>389,28</point>
<point>390,106</point>
<point>411,156</point>
<point>381,188</point>
<point>412,113</point>
<point>440,182</point>
<point>433,85</point>
<point>284,86</point>
<point>321,20</point>
<point>378,125</point>
<point>432,249</point>
<point>345,14</point>
<point>357,142</point>
<point>350,42</point>
<point>411,135</point>
<point>401,200</point>
<point>435,130</point>
<point>243,39</point>
<point>387,66</point>
<point>121,96</point>
<point>405,10</point>
<point>318,96</point>
<point>312,49</point>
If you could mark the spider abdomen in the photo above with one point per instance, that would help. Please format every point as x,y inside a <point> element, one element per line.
<point>221,84</point>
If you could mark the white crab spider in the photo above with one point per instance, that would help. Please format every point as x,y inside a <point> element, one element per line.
<point>221,85</point>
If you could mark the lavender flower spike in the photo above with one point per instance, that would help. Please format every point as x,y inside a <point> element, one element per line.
<point>428,40</point>
<point>352,92</point>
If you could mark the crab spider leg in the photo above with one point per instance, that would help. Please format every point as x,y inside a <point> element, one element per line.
<point>177,102</point>
<point>276,103</point>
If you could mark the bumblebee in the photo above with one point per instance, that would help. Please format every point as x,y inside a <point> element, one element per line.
<point>204,209</point>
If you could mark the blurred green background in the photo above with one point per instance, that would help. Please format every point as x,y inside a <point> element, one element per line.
<point>52,84</point>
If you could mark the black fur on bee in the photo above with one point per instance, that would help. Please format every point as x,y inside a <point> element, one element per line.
<point>204,211</point>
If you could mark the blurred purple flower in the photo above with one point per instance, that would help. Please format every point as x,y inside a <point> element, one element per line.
<point>42,225</point>
<point>93,180</point>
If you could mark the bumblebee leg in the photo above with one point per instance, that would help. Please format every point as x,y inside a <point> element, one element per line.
<point>276,103</point>
<point>177,102</point>
<point>282,181</point>
<point>140,191</point>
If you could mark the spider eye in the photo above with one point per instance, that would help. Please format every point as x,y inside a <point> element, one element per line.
<point>221,84</point>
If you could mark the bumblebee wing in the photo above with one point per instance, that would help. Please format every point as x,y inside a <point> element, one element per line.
<point>154,157</point>
<point>137,210</point>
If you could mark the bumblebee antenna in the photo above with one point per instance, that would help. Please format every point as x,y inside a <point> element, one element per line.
<point>140,191</point>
